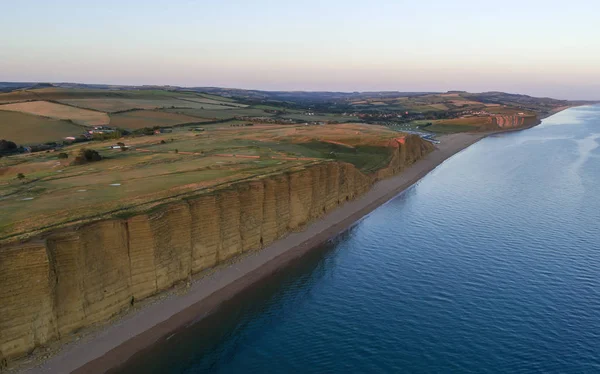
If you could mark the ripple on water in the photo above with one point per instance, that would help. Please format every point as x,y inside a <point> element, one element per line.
<point>490,264</point>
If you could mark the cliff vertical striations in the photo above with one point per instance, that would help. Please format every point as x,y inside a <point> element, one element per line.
<point>56,284</point>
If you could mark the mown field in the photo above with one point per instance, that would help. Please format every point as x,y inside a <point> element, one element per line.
<point>220,114</point>
<point>448,126</point>
<point>118,105</point>
<point>40,111</point>
<point>59,111</point>
<point>139,119</point>
<point>27,129</point>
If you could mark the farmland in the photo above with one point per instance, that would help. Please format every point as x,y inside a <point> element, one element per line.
<point>134,109</point>
<point>115,105</point>
<point>58,111</point>
<point>138,119</point>
<point>218,147</point>
<point>29,129</point>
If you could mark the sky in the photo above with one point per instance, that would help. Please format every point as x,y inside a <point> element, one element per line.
<point>542,48</point>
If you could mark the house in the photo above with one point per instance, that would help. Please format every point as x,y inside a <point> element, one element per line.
<point>101,130</point>
<point>120,146</point>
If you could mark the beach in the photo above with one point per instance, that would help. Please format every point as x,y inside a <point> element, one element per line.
<point>113,344</point>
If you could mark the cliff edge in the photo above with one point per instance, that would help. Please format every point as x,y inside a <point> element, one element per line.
<point>62,281</point>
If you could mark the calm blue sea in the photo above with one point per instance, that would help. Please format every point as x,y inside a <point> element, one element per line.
<point>491,263</point>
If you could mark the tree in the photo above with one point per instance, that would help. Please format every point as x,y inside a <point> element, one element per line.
<point>7,146</point>
<point>86,155</point>
<point>90,154</point>
<point>20,176</point>
<point>63,155</point>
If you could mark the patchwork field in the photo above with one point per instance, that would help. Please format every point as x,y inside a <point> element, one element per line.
<point>58,111</point>
<point>149,118</point>
<point>153,169</point>
<point>133,109</point>
<point>119,105</point>
<point>26,129</point>
<point>114,105</point>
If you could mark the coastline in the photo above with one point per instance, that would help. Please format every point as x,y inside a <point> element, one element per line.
<point>117,342</point>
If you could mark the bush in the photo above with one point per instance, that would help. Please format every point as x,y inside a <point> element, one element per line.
<point>20,176</point>
<point>86,155</point>
<point>90,154</point>
<point>109,135</point>
<point>63,155</point>
<point>7,146</point>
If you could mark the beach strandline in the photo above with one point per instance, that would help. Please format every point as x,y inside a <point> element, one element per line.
<point>115,343</point>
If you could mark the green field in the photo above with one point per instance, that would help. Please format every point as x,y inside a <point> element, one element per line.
<point>213,115</point>
<point>26,129</point>
<point>320,117</point>
<point>221,114</point>
<point>450,126</point>
<point>59,111</point>
<point>449,129</point>
<point>139,119</point>
<point>203,100</point>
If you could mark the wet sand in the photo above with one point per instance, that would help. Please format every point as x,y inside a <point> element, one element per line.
<point>116,343</point>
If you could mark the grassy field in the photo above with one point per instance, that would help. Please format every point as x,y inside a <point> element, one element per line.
<point>213,115</point>
<point>448,126</point>
<point>220,114</point>
<point>58,111</point>
<point>469,121</point>
<point>320,117</point>
<point>138,108</point>
<point>204,100</point>
<point>26,129</point>
<point>118,105</point>
<point>115,105</point>
<point>449,129</point>
<point>157,168</point>
<point>149,118</point>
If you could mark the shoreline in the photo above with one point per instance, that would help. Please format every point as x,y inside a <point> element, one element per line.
<point>116,342</point>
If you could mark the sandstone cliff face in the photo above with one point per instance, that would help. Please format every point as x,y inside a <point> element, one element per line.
<point>67,280</point>
<point>406,151</point>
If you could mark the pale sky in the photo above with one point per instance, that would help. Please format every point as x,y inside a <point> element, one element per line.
<point>543,48</point>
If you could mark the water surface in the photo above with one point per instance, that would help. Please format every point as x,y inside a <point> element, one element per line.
<point>491,263</point>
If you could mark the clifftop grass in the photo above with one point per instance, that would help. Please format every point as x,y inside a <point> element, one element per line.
<point>155,169</point>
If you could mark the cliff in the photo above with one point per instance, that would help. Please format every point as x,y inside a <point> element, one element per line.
<point>63,281</point>
<point>507,122</point>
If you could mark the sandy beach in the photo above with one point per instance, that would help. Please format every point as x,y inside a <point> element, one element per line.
<point>115,343</point>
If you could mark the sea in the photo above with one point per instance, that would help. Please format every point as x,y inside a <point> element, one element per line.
<point>489,264</point>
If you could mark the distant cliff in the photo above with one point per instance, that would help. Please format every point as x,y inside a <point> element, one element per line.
<point>68,279</point>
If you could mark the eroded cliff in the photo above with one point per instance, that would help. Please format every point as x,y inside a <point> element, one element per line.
<point>56,284</point>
